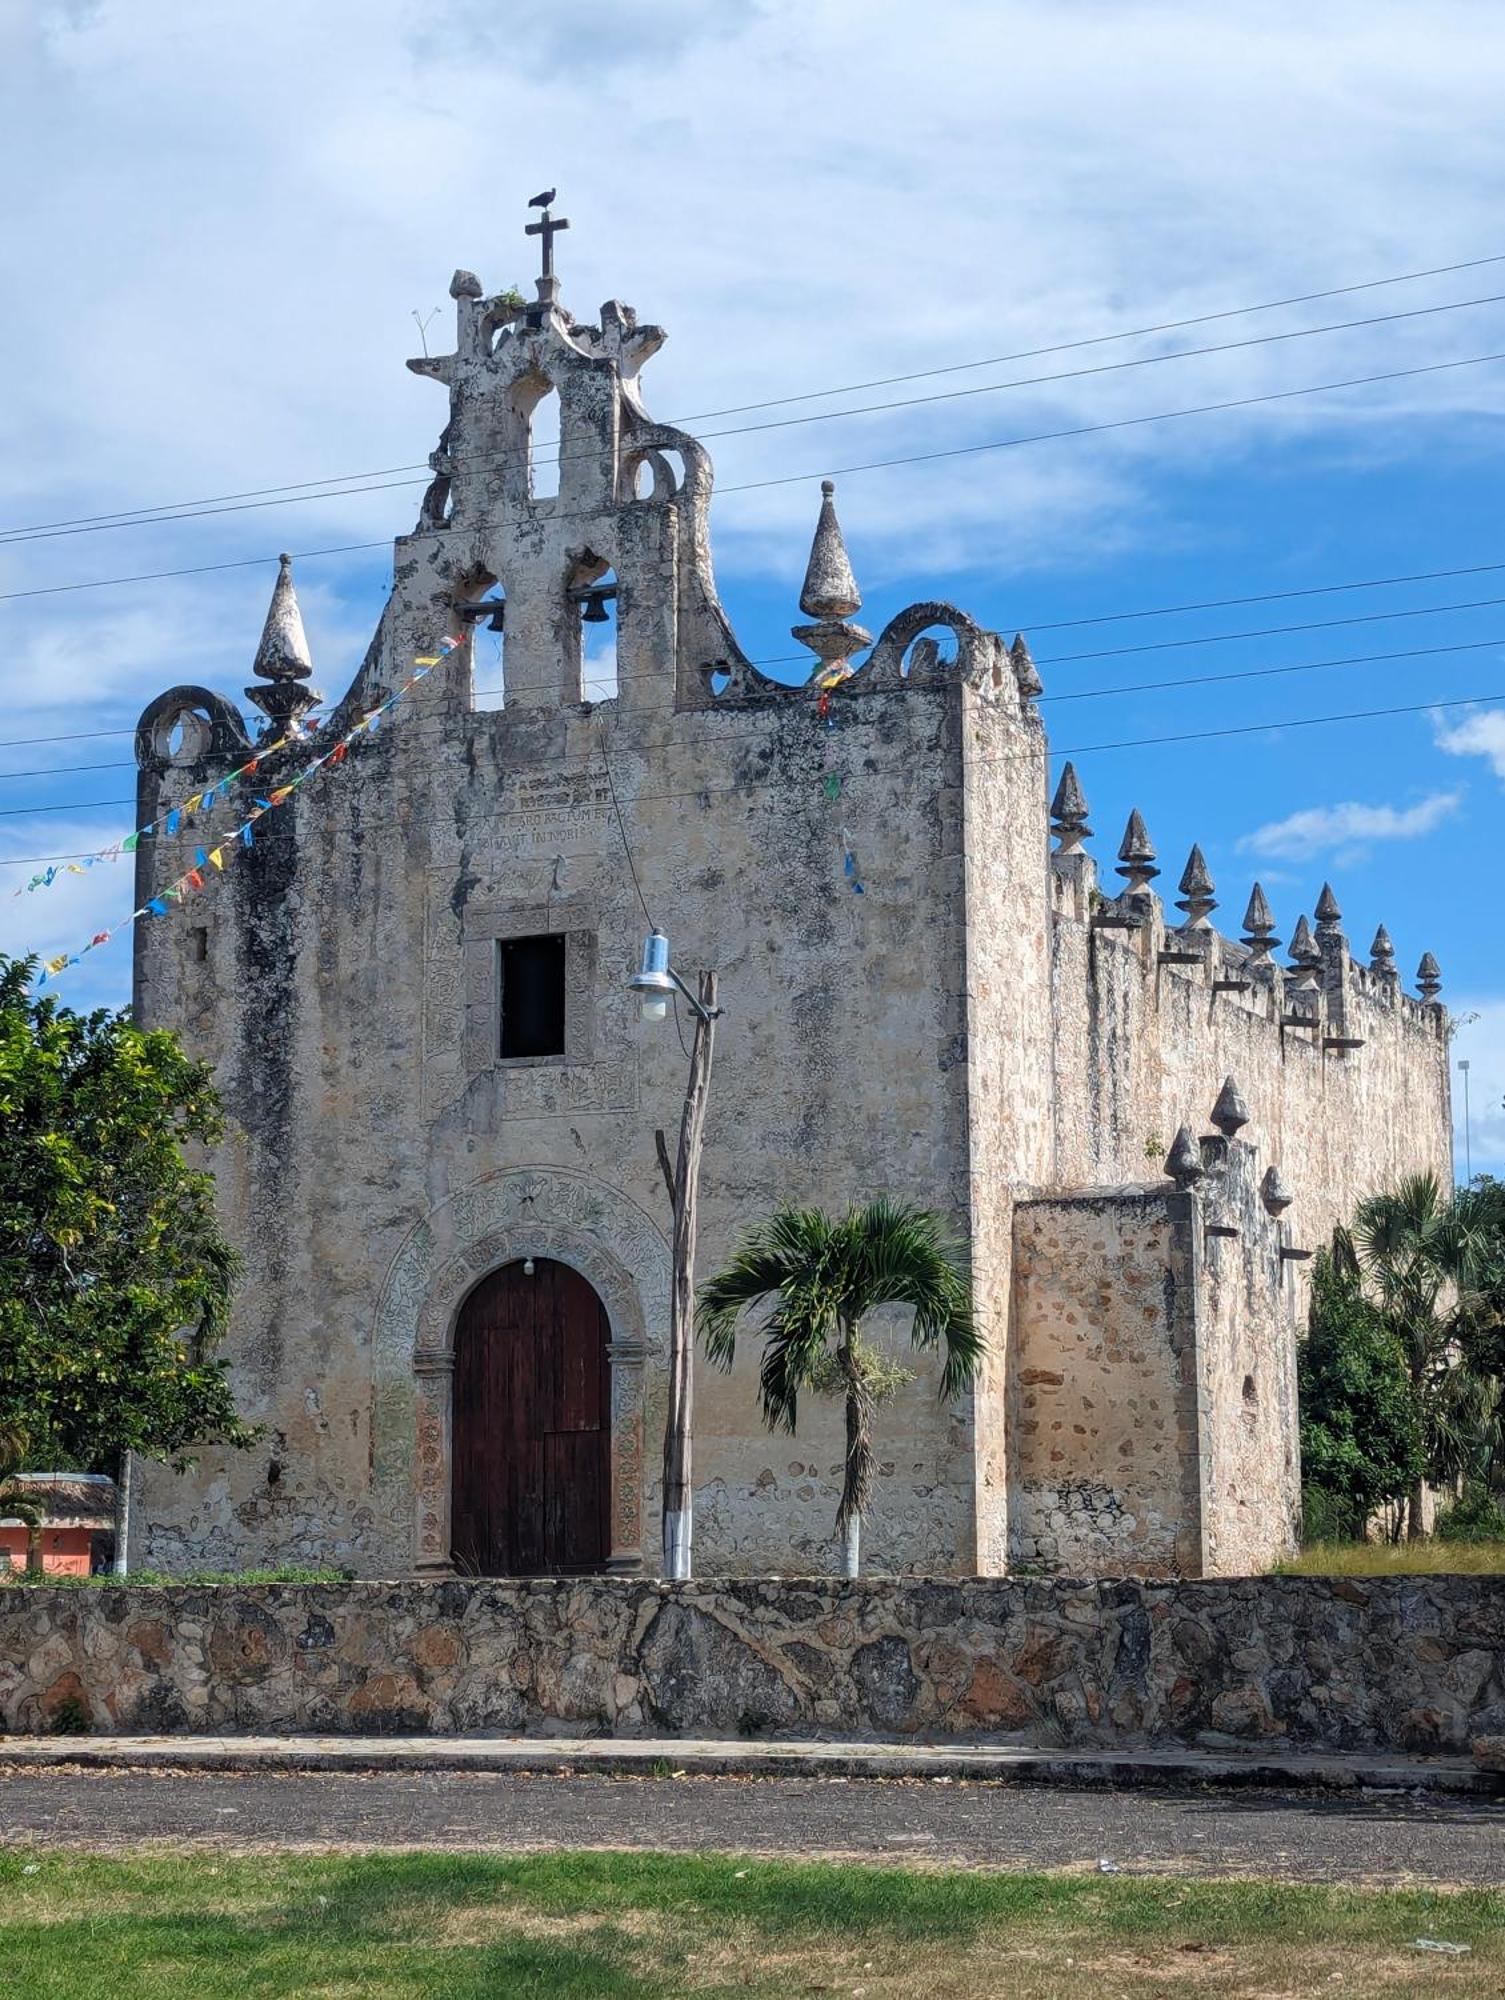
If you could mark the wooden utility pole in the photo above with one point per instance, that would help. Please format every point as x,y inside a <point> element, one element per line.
<point>683,1182</point>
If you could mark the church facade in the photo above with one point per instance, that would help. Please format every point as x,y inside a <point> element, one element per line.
<point>441,1163</point>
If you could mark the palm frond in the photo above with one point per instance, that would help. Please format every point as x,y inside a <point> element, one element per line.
<point>771,1256</point>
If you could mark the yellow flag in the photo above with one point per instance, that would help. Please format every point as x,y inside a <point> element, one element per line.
<point>217,856</point>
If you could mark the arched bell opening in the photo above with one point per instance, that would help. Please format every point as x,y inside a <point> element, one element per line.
<point>591,637</point>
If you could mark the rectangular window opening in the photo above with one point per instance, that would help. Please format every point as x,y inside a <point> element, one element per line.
<point>199,943</point>
<point>532,991</point>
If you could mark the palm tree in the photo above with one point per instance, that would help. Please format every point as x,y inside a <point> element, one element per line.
<point>825,1276</point>
<point>16,1503</point>
<point>1431,1266</point>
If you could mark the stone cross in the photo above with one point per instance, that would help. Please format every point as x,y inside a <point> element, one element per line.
<point>547,228</point>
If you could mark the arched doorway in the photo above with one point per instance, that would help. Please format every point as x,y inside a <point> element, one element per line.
<point>532,1424</point>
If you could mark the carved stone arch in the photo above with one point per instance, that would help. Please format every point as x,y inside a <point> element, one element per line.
<point>522,1212</point>
<point>885,665</point>
<point>212,729</point>
<point>665,484</point>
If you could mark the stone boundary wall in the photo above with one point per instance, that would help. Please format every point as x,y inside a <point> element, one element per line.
<point>1414,1664</point>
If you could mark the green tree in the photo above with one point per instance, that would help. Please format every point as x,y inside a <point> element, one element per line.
<point>115,1279</point>
<point>1360,1431</point>
<point>1427,1263</point>
<point>824,1277</point>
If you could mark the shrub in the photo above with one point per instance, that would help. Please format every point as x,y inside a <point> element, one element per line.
<point>1477,1517</point>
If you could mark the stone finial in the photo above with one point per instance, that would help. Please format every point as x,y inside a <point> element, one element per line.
<point>1068,812</point>
<point>1382,954</point>
<point>1183,1163</point>
<point>830,595</point>
<point>1428,977</point>
<point>282,658</point>
<point>1329,916</point>
<point>465,285</point>
<point>1136,855</point>
<point>1230,1113</point>
<point>1026,673</point>
<point>1196,897</point>
<point>1305,956</point>
<point>830,588</point>
<point>1259,928</point>
<point>1274,1193</point>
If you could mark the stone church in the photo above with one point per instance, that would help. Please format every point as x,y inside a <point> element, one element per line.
<point>442,1101</point>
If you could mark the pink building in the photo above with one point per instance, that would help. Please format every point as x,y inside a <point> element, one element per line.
<point>78,1513</point>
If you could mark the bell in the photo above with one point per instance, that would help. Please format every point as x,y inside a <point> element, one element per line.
<point>595,612</point>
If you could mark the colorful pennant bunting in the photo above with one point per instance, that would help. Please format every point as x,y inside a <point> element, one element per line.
<point>194,879</point>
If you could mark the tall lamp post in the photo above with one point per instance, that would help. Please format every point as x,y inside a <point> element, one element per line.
<point>656,983</point>
<point>1468,1137</point>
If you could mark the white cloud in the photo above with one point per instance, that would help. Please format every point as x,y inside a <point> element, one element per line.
<point>1481,734</point>
<point>1480,1041</point>
<point>231,214</point>
<point>1348,825</point>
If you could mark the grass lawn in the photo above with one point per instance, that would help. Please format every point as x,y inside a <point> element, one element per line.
<point>644,1927</point>
<point>1426,1557</point>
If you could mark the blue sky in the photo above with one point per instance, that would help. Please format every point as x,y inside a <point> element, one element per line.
<point>232,212</point>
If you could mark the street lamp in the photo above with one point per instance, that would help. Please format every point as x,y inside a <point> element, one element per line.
<point>1468,1138</point>
<point>656,983</point>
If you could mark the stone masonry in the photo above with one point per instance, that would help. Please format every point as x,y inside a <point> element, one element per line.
<point>1411,1663</point>
<point>984,1029</point>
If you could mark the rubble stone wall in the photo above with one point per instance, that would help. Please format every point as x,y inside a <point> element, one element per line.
<point>1401,1663</point>
<point>1103,1404</point>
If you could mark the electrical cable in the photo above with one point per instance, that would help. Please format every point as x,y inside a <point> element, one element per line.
<point>1487,700</point>
<point>911,458</point>
<point>343,482</point>
<point>1116,688</point>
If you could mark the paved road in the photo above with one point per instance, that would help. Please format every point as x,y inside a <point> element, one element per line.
<point>1303,1836</point>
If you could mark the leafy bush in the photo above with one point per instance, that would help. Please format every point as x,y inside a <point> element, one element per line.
<point>1477,1517</point>
<point>157,1579</point>
<point>1361,1444</point>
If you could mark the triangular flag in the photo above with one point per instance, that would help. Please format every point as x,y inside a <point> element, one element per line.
<point>217,857</point>
<point>157,907</point>
<point>128,845</point>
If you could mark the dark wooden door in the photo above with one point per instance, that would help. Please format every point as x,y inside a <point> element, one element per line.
<point>532,1428</point>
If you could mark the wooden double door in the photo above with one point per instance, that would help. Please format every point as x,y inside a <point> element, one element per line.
<point>532,1425</point>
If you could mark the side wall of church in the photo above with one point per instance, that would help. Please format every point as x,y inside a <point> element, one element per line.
<point>1142,1047</point>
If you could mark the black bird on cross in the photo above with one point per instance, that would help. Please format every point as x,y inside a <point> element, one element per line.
<point>546,227</point>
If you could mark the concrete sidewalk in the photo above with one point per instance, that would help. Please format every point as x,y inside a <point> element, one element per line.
<point>700,1757</point>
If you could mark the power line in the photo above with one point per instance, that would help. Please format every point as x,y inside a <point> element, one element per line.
<point>1116,688</point>
<point>750,785</point>
<point>197,569</point>
<point>1208,639</point>
<point>1272,631</point>
<point>342,482</point>
<point>871,465</point>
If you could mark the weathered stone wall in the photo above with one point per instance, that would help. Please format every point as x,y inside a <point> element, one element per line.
<point>1143,1045</point>
<point>1103,1406</point>
<point>1413,1663</point>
